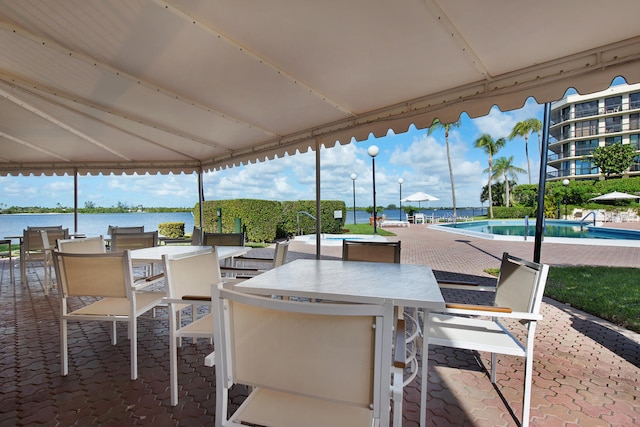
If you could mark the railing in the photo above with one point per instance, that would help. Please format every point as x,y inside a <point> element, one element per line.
<point>584,219</point>
<point>299,229</point>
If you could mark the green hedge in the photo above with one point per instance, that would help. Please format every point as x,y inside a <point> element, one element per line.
<point>172,230</point>
<point>267,220</point>
<point>513,211</point>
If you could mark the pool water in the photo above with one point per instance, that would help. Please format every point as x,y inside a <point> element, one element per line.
<point>553,228</point>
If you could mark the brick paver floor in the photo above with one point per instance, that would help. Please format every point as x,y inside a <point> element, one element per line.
<point>586,370</point>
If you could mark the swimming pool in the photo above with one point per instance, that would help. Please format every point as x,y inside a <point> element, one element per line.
<point>336,239</point>
<point>556,231</point>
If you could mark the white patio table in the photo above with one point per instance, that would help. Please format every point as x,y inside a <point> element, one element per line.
<point>406,285</point>
<point>154,254</point>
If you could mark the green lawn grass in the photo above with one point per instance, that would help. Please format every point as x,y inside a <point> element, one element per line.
<point>611,293</point>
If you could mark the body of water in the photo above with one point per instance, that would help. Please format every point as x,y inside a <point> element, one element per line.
<point>362,217</point>
<point>92,224</point>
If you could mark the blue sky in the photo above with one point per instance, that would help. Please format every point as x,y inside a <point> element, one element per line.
<point>418,159</point>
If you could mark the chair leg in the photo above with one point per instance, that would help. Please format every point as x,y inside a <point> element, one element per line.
<point>526,399</point>
<point>493,368</point>
<point>64,356</point>
<point>114,333</point>
<point>134,346</point>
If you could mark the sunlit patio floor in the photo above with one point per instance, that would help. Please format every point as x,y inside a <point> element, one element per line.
<point>586,370</point>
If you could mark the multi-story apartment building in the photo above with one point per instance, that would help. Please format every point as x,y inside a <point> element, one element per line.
<point>580,123</point>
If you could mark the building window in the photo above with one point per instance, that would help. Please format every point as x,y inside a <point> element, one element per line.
<point>635,166</point>
<point>634,100</point>
<point>613,104</point>
<point>566,113</point>
<point>613,140</point>
<point>584,148</point>
<point>613,124</point>
<point>634,141</point>
<point>566,169</point>
<point>634,121</point>
<point>586,128</point>
<point>586,109</point>
<point>565,131</point>
<point>585,167</point>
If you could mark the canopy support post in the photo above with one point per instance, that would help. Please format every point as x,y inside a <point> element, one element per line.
<point>542,179</point>
<point>318,216</point>
<point>75,200</point>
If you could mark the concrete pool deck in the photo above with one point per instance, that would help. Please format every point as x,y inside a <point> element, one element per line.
<point>586,370</point>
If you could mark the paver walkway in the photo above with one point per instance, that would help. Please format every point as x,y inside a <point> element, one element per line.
<point>586,370</point>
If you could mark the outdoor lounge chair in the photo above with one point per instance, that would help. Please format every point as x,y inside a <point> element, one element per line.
<point>312,365</point>
<point>518,296</point>
<point>109,277</point>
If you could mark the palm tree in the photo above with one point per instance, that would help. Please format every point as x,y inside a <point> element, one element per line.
<point>437,124</point>
<point>491,147</point>
<point>523,129</point>
<point>505,167</point>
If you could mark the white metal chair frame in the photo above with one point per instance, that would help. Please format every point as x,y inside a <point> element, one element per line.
<point>108,276</point>
<point>518,295</point>
<point>34,249</point>
<point>241,271</point>
<point>188,279</point>
<point>307,364</point>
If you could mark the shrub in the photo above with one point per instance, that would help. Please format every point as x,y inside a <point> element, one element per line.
<point>172,230</point>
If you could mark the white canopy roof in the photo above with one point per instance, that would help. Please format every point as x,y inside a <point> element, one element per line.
<point>179,85</point>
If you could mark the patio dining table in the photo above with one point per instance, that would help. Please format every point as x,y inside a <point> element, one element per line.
<point>405,285</point>
<point>154,254</point>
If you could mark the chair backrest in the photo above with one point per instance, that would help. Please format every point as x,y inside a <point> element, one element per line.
<point>196,236</point>
<point>353,250</point>
<point>280,254</point>
<point>33,238</point>
<point>520,284</point>
<point>112,229</point>
<point>326,351</point>
<point>89,245</point>
<point>129,241</point>
<point>45,227</point>
<point>223,239</point>
<point>97,275</point>
<point>191,274</point>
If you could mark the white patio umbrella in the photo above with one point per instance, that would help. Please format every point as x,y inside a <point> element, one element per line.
<point>420,197</point>
<point>616,195</point>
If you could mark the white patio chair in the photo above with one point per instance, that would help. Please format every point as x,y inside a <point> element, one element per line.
<point>188,280</point>
<point>241,271</point>
<point>406,338</point>
<point>88,245</point>
<point>32,250</point>
<point>518,296</point>
<point>312,365</point>
<point>419,218</point>
<point>109,277</point>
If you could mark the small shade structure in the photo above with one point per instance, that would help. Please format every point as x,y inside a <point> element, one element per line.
<point>616,195</point>
<point>420,197</point>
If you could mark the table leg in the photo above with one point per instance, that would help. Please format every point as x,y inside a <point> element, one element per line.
<point>424,368</point>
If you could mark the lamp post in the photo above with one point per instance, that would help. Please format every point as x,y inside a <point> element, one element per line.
<point>565,182</point>
<point>373,152</point>
<point>400,181</point>
<point>353,178</point>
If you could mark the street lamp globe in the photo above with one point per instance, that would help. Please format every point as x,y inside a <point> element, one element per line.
<point>565,182</point>
<point>373,151</point>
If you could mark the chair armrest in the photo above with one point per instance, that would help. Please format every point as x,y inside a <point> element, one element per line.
<point>143,282</point>
<point>240,270</point>
<point>400,345</point>
<point>461,284</point>
<point>489,310</point>
<point>479,308</point>
<point>196,298</point>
